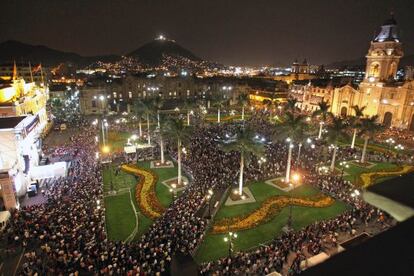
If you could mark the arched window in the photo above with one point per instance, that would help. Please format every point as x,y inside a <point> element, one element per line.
<point>392,70</point>
<point>374,69</point>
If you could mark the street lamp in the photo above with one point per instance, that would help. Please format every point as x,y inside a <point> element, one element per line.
<point>390,142</point>
<point>355,193</point>
<point>289,223</point>
<point>343,165</point>
<point>229,239</point>
<point>208,200</point>
<point>173,191</point>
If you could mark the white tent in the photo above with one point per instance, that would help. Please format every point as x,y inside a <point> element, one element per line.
<point>314,260</point>
<point>57,169</point>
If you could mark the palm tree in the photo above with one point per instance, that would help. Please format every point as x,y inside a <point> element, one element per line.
<point>369,127</point>
<point>291,105</point>
<point>244,101</point>
<point>156,104</point>
<point>245,143</point>
<point>359,113</point>
<point>162,134</point>
<point>268,103</point>
<point>324,112</point>
<point>336,131</point>
<point>220,103</point>
<point>148,111</point>
<point>187,106</point>
<point>291,130</point>
<point>175,128</point>
<point>139,111</point>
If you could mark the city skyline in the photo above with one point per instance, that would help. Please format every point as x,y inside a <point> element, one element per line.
<point>260,33</point>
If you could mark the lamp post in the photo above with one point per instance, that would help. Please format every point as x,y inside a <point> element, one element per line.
<point>390,142</point>
<point>295,179</point>
<point>208,200</point>
<point>289,223</point>
<point>173,191</point>
<point>229,239</point>
<point>343,165</point>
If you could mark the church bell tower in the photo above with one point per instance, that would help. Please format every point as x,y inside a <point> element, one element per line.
<point>384,54</point>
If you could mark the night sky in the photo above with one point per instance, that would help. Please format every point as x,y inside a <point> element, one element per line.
<point>243,32</point>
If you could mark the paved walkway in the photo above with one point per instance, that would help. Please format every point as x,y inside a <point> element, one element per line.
<point>40,198</point>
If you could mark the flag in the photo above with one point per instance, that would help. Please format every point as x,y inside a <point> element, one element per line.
<point>36,68</point>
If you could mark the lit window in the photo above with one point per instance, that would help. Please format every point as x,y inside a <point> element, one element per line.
<point>130,94</point>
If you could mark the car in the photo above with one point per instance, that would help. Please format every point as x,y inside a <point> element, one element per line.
<point>32,190</point>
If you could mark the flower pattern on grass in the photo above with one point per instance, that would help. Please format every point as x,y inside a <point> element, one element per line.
<point>145,193</point>
<point>370,178</point>
<point>268,209</point>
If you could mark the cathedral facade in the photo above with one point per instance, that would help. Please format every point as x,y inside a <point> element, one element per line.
<point>380,92</point>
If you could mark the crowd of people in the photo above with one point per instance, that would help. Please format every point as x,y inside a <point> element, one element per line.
<point>66,235</point>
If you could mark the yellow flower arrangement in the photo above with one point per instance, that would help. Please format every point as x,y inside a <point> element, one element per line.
<point>267,210</point>
<point>145,192</point>
<point>369,178</point>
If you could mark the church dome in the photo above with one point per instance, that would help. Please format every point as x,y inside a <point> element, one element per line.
<point>389,31</point>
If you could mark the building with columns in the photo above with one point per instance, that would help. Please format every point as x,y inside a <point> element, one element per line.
<point>380,91</point>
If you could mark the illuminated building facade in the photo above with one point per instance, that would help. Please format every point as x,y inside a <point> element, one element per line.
<point>120,95</point>
<point>380,92</point>
<point>299,71</point>
<point>23,117</point>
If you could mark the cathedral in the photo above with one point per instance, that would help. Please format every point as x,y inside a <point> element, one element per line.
<point>380,92</point>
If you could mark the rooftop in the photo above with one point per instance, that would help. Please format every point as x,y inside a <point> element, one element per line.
<point>10,122</point>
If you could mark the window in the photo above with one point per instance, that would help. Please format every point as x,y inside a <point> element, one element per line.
<point>374,70</point>
<point>130,94</point>
<point>93,103</point>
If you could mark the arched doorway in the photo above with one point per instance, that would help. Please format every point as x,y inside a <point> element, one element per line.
<point>344,111</point>
<point>387,119</point>
<point>412,123</point>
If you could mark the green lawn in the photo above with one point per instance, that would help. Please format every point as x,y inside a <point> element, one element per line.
<point>120,218</point>
<point>355,171</point>
<point>163,193</point>
<point>359,142</point>
<point>214,246</point>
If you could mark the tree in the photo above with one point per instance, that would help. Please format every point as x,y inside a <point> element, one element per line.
<point>368,128</point>
<point>268,103</point>
<point>175,128</point>
<point>244,101</point>
<point>291,105</point>
<point>161,135</point>
<point>219,102</point>
<point>324,113</point>
<point>139,112</point>
<point>156,104</point>
<point>243,142</point>
<point>336,131</point>
<point>355,121</point>
<point>188,106</point>
<point>291,130</point>
<point>148,112</point>
<point>67,108</point>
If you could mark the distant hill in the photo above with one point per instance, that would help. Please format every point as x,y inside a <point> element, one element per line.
<point>361,62</point>
<point>155,52</point>
<point>12,50</point>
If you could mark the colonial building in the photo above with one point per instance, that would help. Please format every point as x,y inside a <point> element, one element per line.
<point>380,92</point>
<point>119,96</point>
<point>299,71</point>
<point>23,118</point>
